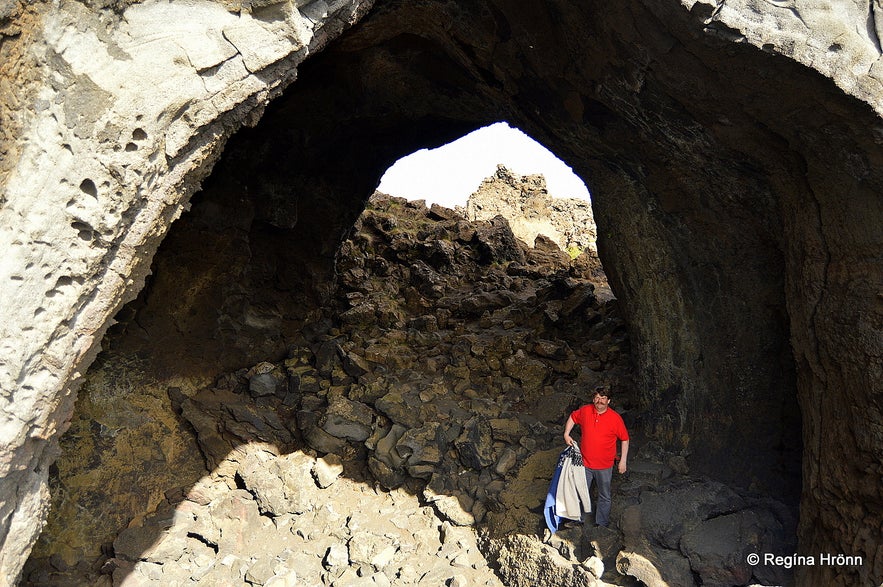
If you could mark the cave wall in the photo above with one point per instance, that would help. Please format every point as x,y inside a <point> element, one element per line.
<point>735,188</point>
<point>111,116</point>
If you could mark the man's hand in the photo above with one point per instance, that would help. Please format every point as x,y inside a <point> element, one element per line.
<point>567,428</point>
<point>624,457</point>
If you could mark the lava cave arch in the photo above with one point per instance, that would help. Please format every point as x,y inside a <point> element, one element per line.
<point>737,192</point>
<point>702,179</point>
<point>707,160</point>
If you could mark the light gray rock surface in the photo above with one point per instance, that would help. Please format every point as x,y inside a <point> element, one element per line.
<point>124,115</point>
<point>531,211</point>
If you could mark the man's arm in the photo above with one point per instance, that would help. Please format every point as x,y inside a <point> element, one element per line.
<point>567,428</point>
<point>625,455</point>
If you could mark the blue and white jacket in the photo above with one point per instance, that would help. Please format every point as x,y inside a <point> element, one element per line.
<point>568,495</point>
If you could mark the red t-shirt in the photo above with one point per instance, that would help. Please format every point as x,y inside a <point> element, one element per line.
<point>598,435</point>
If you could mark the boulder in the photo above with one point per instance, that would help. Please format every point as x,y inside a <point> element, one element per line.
<point>496,243</point>
<point>277,481</point>
<point>348,419</point>
<point>475,444</point>
<point>327,469</point>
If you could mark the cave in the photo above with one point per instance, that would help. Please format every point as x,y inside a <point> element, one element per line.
<point>736,189</point>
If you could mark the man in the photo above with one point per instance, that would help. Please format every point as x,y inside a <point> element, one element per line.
<point>600,427</point>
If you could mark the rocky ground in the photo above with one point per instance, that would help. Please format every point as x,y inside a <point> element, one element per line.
<point>410,436</point>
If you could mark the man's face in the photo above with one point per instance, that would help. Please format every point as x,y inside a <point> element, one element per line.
<point>600,402</point>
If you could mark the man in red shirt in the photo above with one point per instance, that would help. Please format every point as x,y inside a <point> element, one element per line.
<point>600,428</point>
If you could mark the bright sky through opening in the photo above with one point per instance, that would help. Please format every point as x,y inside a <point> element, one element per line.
<point>449,174</point>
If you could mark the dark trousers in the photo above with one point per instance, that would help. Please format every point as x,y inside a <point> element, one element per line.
<point>602,477</point>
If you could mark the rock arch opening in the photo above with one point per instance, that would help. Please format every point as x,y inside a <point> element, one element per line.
<point>500,170</point>
<point>450,173</point>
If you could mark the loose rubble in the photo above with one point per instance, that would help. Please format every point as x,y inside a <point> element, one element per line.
<point>294,519</point>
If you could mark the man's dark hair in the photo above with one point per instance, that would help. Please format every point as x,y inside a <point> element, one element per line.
<point>605,390</point>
